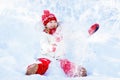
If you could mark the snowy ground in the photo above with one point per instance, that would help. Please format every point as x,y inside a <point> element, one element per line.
<point>20,28</point>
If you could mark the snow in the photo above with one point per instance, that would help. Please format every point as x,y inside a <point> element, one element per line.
<point>20,26</point>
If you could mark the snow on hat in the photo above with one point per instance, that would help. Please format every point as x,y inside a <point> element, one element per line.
<point>47,16</point>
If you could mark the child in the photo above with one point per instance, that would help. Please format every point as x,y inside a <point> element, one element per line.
<point>52,48</point>
<point>51,44</point>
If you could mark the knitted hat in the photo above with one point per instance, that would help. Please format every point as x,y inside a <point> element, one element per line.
<point>47,17</point>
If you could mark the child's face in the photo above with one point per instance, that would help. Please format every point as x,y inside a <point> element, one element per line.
<point>51,24</point>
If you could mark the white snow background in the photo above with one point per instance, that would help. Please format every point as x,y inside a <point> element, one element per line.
<point>20,27</point>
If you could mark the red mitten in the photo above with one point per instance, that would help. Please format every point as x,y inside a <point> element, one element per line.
<point>93,29</point>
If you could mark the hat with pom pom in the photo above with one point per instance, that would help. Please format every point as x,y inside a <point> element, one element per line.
<point>47,17</point>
